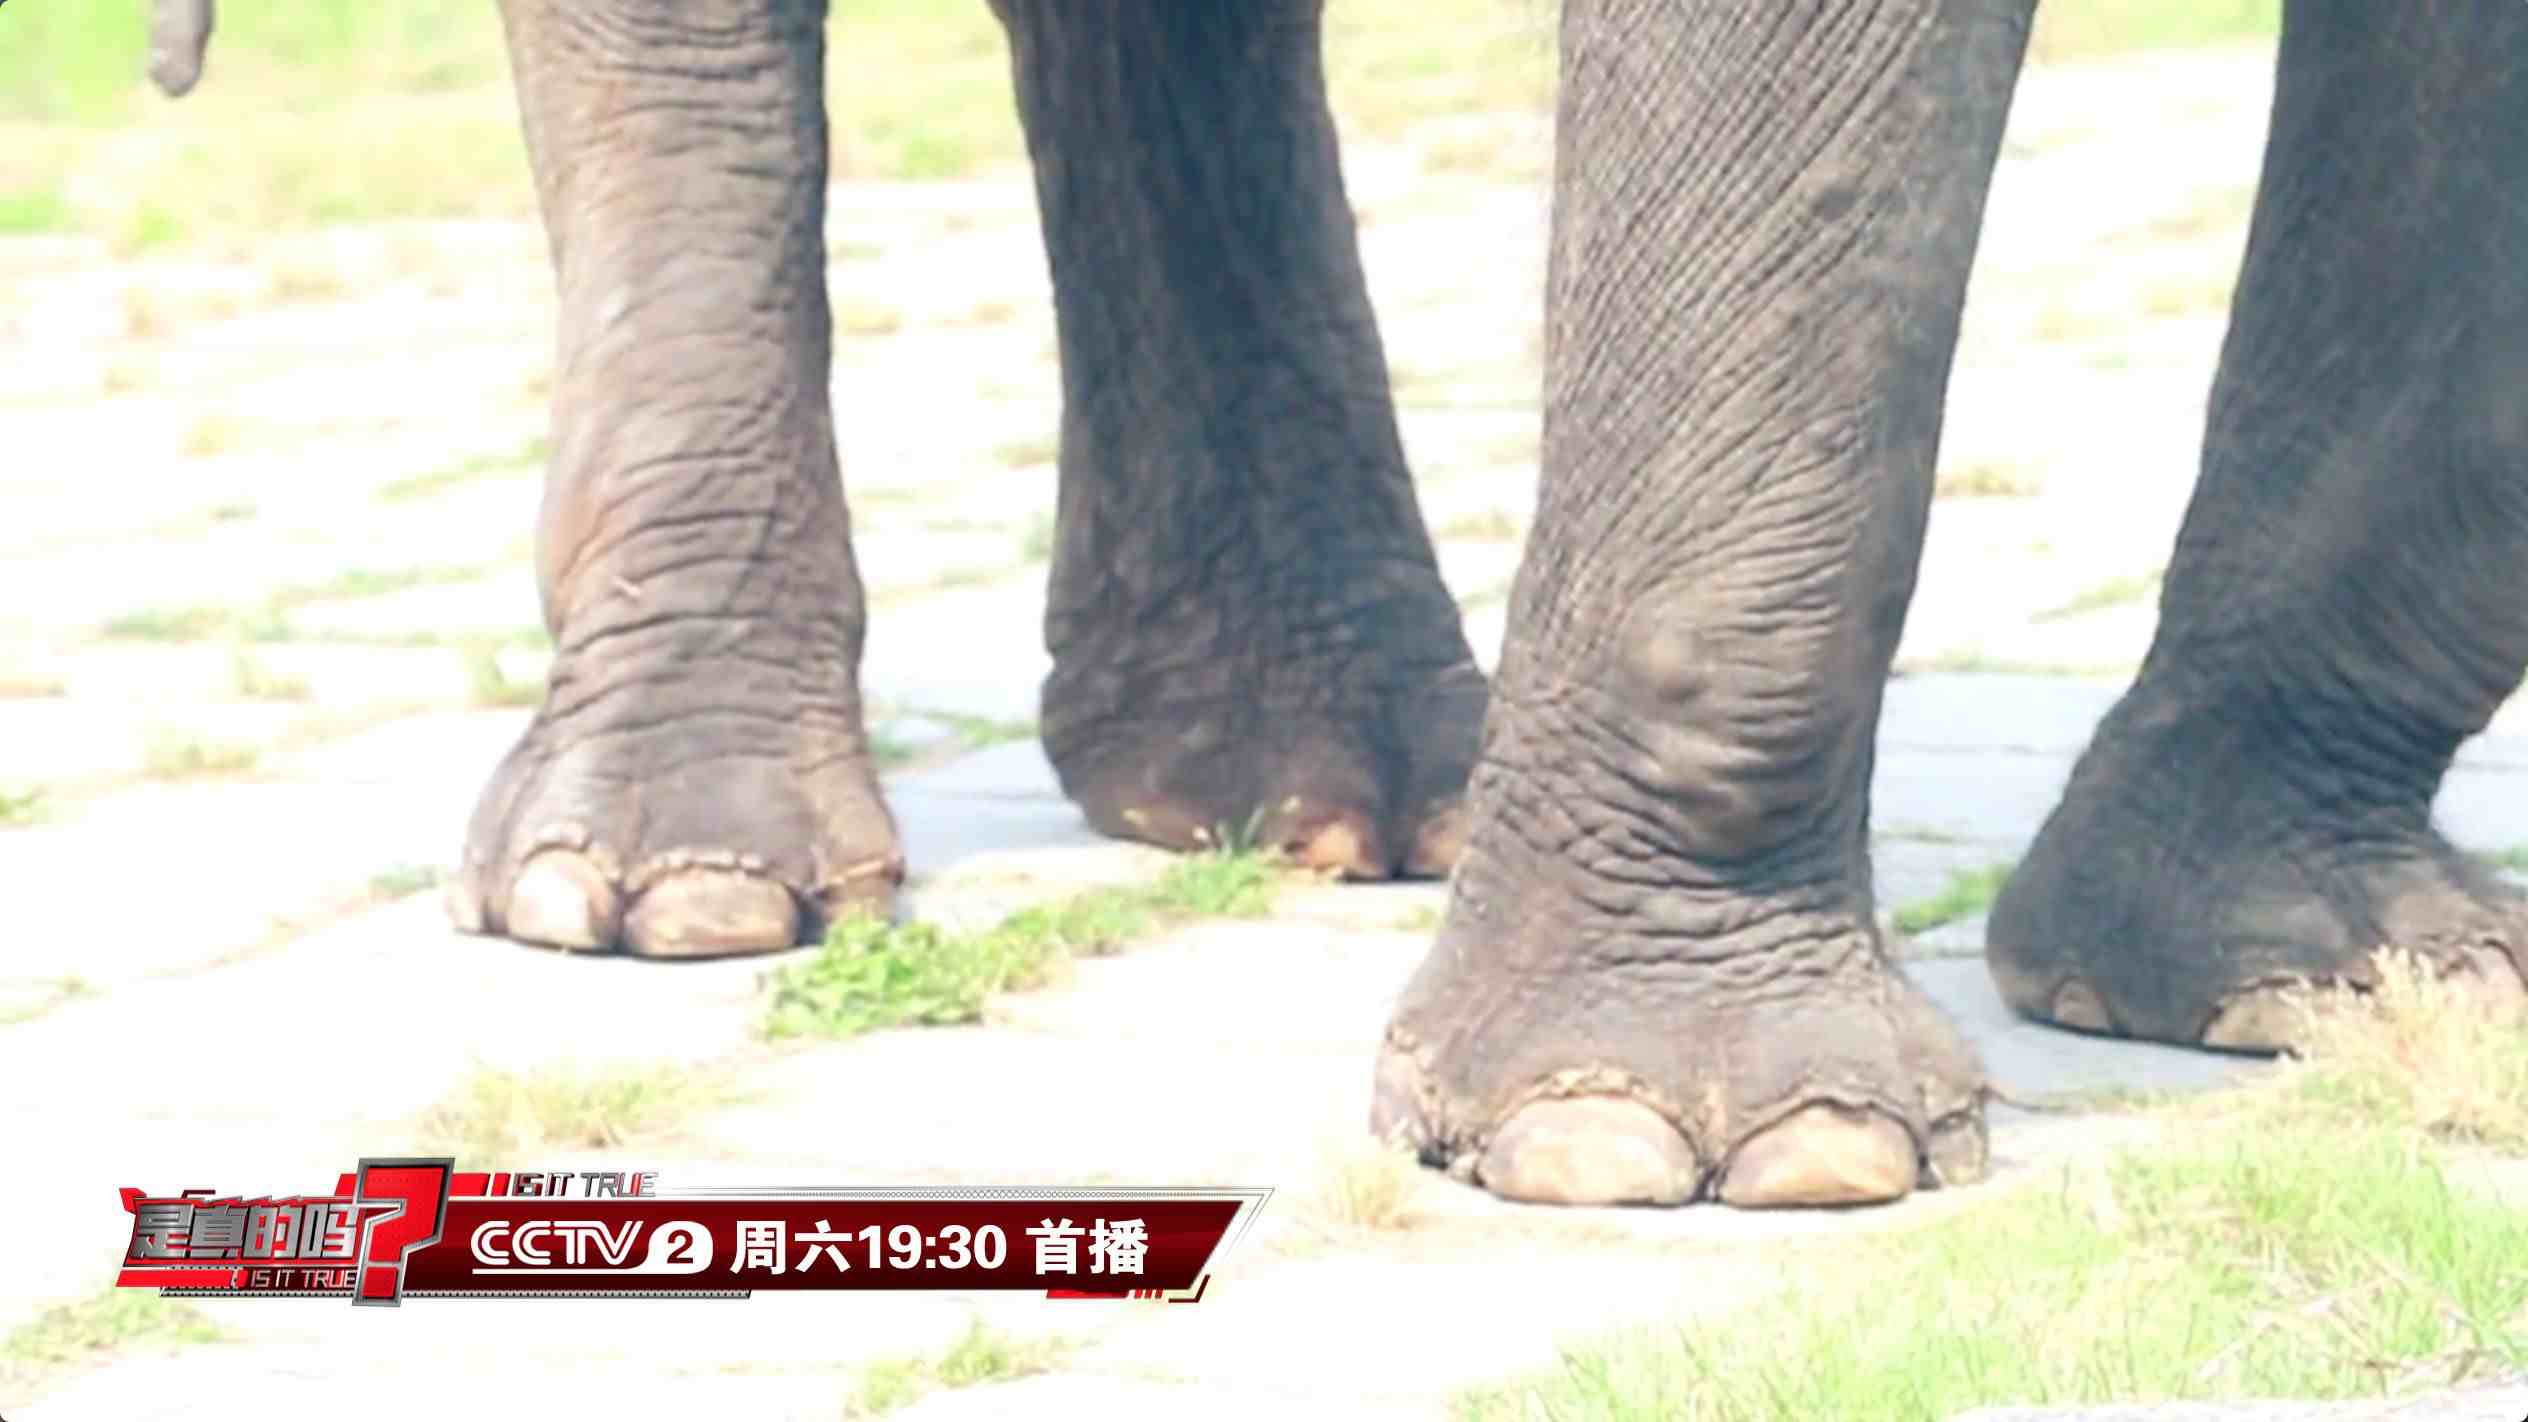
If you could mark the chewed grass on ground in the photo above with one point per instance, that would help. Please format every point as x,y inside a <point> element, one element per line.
<point>2326,1232</point>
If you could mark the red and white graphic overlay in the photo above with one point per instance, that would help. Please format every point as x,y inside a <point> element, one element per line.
<point>414,1228</point>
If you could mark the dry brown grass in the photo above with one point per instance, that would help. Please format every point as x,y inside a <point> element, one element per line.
<point>495,1116</point>
<point>1358,1187</point>
<point>2446,1057</point>
<point>1987,479</point>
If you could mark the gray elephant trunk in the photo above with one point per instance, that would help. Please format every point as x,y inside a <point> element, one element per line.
<point>179,31</point>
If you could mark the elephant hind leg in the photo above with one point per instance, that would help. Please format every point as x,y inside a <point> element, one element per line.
<point>1249,631</point>
<point>2348,600</point>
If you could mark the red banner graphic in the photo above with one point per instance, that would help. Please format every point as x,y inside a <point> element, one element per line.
<point>400,1228</point>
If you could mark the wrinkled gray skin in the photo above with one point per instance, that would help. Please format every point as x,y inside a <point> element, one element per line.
<point>1658,979</point>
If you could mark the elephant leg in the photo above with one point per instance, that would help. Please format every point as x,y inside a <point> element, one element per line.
<point>697,780</point>
<point>1247,624</point>
<point>1659,978</point>
<point>2348,599</point>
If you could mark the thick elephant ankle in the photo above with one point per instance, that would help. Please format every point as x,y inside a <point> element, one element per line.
<point>1582,1069</point>
<point>678,835</point>
<point>2252,890</point>
<point>1370,786</point>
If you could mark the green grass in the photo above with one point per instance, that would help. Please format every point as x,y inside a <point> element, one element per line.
<point>2307,1265</point>
<point>2097,597</point>
<point>56,992</point>
<point>965,733</point>
<point>252,679</point>
<point>976,732</point>
<point>23,213</point>
<point>496,1117</point>
<point>1486,526</point>
<point>23,806</point>
<point>1917,834</point>
<point>526,459</point>
<point>94,1329</point>
<point>872,974</point>
<point>488,685</point>
<point>176,755</point>
<point>1976,662</point>
<point>167,624</point>
<point>2303,1237</point>
<point>402,881</point>
<point>2070,30</point>
<point>891,750</point>
<point>1027,451</point>
<point>268,621</point>
<point>316,112</point>
<point>1987,479</point>
<point>1967,893</point>
<point>979,1355</point>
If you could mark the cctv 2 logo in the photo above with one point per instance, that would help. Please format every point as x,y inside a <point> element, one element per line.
<point>587,1247</point>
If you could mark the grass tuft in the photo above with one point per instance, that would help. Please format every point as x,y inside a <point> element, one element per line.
<point>1362,1186</point>
<point>872,974</point>
<point>255,681</point>
<point>1488,526</point>
<point>2113,592</point>
<point>496,1115</point>
<point>1987,479</point>
<point>22,807</point>
<point>2443,1057</point>
<point>402,881</point>
<point>95,1329</point>
<point>980,1355</point>
<point>176,755</point>
<point>53,994</point>
<point>1027,451</point>
<point>1968,892</point>
<point>525,459</point>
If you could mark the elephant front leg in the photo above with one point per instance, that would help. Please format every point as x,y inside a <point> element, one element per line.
<point>1248,627</point>
<point>2348,600</point>
<point>1659,978</point>
<point>697,780</point>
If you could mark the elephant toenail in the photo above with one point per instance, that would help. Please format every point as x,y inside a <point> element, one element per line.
<point>711,912</point>
<point>1825,1154</point>
<point>1439,842</point>
<point>2264,1019</point>
<point>1341,846</point>
<point>561,900</point>
<point>2078,1006</point>
<point>1590,1150</point>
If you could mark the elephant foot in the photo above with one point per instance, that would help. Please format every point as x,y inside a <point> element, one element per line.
<point>1364,781</point>
<point>1617,1077</point>
<point>2200,870</point>
<point>686,826</point>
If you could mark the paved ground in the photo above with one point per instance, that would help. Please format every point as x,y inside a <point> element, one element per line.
<point>264,609</point>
